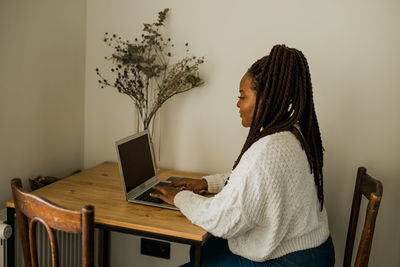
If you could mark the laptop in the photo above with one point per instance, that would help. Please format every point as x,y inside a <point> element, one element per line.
<point>137,169</point>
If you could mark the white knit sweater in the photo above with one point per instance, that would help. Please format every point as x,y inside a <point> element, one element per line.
<point>269,207</point>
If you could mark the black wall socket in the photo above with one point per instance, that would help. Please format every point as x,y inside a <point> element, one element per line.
<point>155,248</point>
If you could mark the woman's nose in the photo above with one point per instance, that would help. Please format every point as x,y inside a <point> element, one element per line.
<point>238,103</point>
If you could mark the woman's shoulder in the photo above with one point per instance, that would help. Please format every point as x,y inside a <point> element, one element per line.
<point>274,146</point>
<point>284,139</point>
<point>278,145</point>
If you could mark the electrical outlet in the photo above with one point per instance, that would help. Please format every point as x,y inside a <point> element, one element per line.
<point>155,248</point>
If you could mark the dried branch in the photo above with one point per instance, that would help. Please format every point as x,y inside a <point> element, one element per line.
<point>142,69</point>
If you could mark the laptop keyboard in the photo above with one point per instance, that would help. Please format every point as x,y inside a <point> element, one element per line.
<point>146,195</point>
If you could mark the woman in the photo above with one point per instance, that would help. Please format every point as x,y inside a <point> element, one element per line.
<point>270,208</point>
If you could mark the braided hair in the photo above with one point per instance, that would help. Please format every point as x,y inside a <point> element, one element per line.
<point>284,99</point>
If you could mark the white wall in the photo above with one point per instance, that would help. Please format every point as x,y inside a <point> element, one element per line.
<point>352,48</point>
<point>42,65</point>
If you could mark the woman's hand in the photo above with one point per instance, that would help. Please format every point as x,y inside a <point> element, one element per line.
<point>195,185</point>
<point>167,193</point>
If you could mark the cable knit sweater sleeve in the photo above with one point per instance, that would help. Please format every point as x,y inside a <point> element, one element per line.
<point>216,182</point>
<point>269,202</point>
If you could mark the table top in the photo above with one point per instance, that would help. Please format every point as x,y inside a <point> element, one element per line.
<point>101,187</point>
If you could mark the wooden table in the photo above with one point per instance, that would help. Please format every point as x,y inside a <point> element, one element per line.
<point>101,187</point>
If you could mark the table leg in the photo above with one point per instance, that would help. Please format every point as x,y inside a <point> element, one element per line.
<point>104,248</point>
<point>197,256</point>
<point>11,240</point>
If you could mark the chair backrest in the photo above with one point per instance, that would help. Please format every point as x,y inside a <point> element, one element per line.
<point>51,216</point>
<point>372,189</point>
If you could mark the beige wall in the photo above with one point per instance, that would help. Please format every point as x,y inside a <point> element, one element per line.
<point>42,65</point>
<point>352,49</point>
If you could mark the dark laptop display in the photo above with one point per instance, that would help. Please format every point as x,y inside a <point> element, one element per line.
<point>136,167</point>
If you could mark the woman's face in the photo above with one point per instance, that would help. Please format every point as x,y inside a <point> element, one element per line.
<point>247,101</point>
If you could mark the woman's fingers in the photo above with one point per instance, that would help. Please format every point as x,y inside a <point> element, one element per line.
<point>157,195</point>
<point>167,194</point>
<point>160,196</point>
<point>159,188</point>
<point>177,183</point>
<point>182,184</point>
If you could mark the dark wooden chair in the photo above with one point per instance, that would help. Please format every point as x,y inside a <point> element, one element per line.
<point>372,189</point>
<point>51,216</point>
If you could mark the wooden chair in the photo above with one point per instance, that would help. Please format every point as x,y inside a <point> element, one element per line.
<point>372,189</point>
<point>52,217</point>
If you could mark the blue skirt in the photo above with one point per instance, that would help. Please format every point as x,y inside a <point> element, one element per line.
<point>215,252</point>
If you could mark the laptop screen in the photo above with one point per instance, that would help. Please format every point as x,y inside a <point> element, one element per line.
<point>136,161</point>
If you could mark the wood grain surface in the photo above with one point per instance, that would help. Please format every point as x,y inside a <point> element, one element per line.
<point>101,187</point>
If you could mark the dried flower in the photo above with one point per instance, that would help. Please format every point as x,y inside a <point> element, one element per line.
<point>144,73</point>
